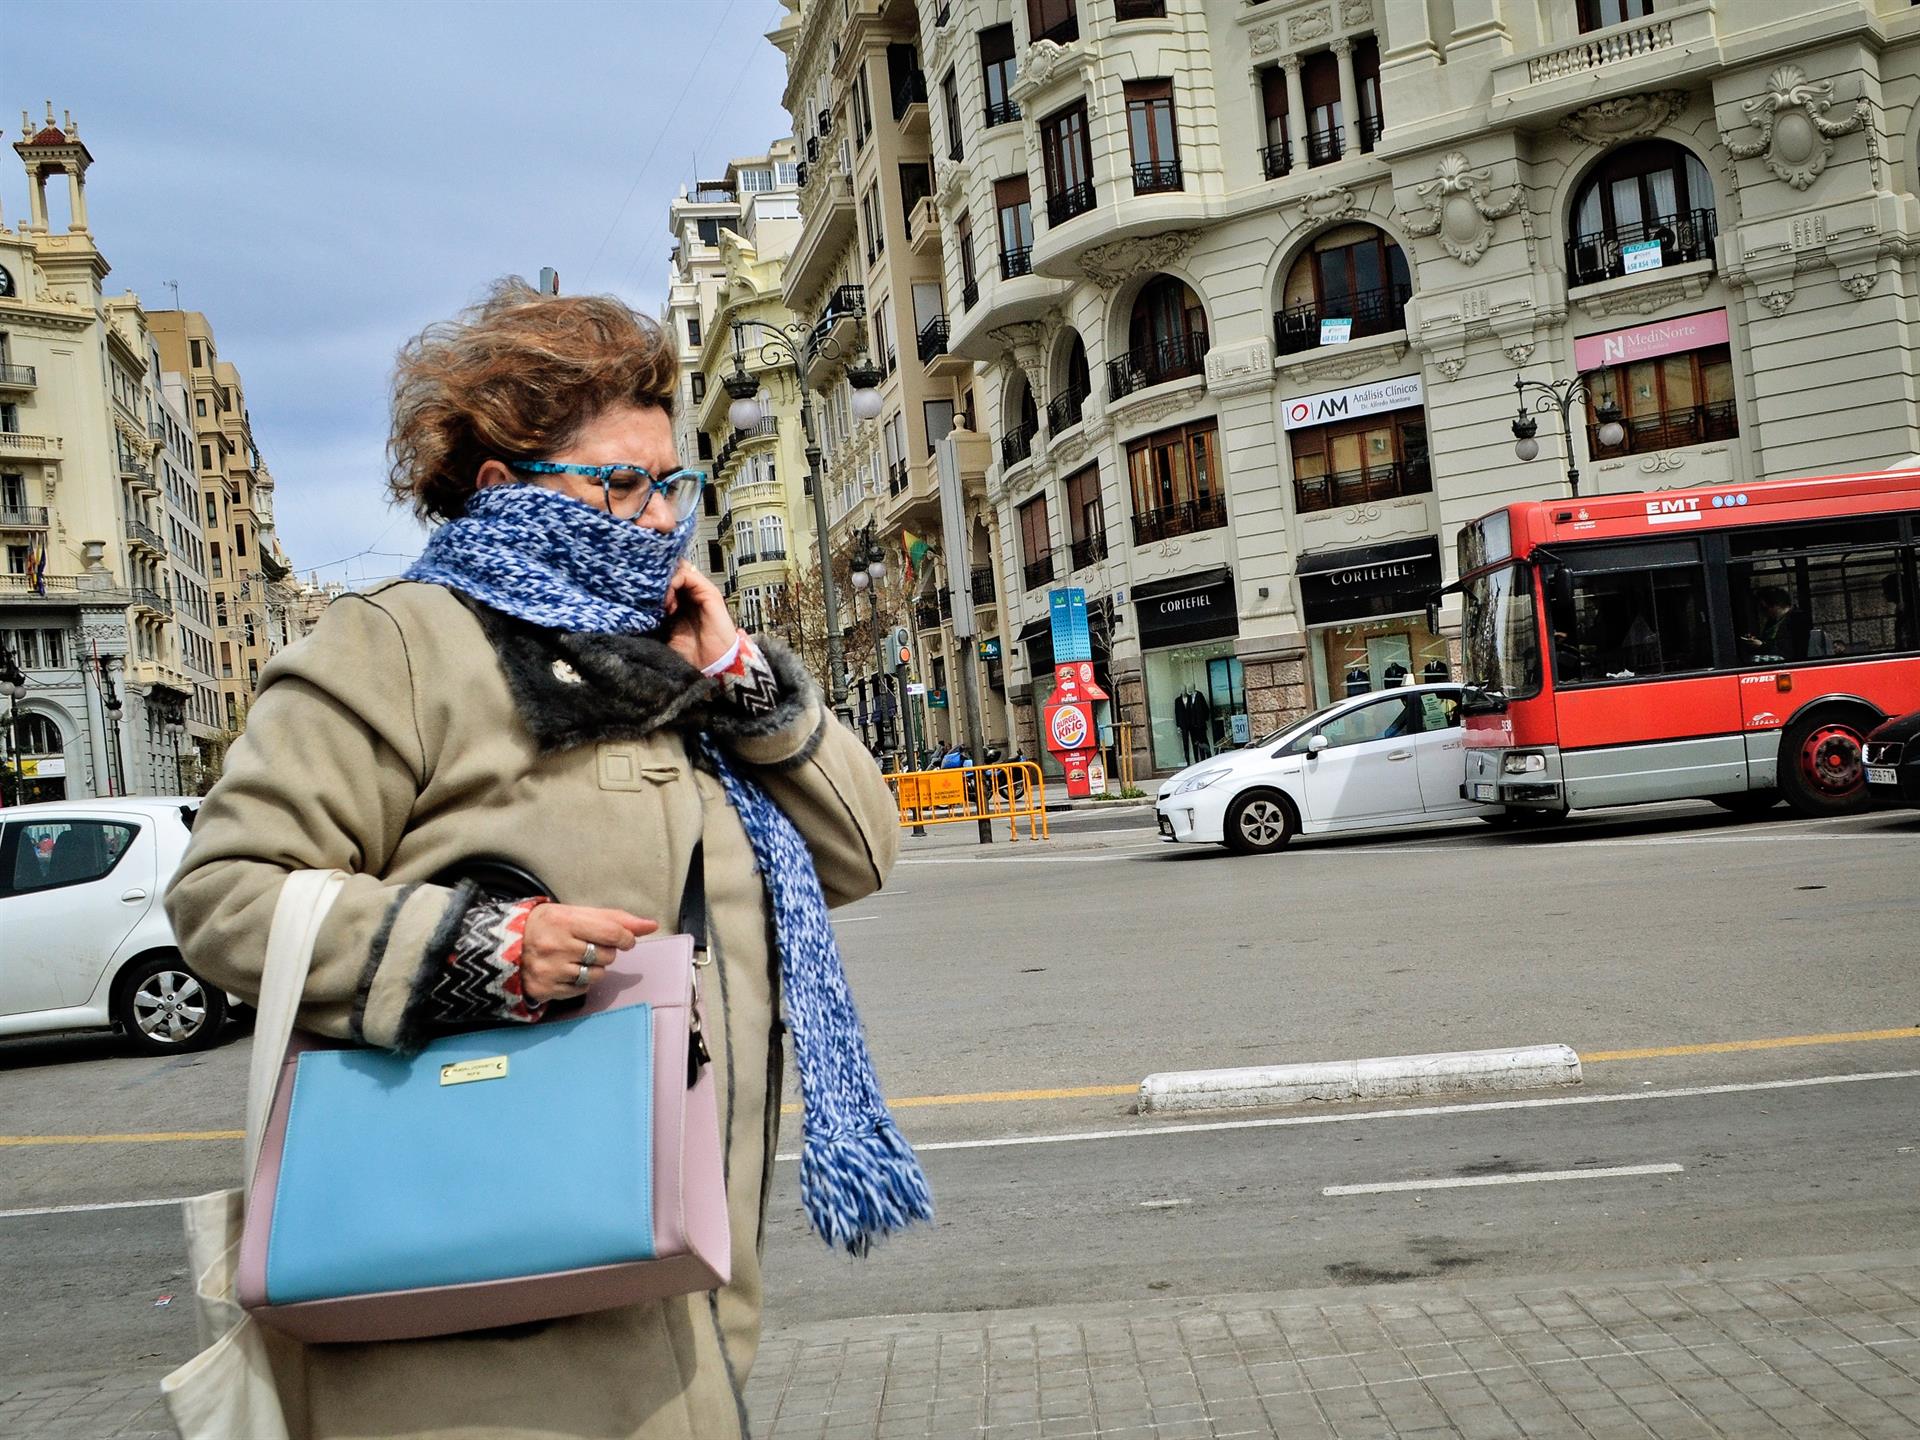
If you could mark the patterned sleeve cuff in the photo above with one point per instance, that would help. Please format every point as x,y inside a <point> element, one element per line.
<point>747,681</point>
<point>481,978</point>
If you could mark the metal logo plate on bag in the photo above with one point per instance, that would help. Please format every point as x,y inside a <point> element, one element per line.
<point>494,1067</point>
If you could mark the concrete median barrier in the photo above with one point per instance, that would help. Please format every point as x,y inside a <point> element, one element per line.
<point>1392,1077</point>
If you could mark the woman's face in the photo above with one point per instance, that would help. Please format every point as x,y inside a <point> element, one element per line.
<point>620,435</point>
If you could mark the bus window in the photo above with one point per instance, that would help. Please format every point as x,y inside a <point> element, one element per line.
<point>1498,636</point>
<point>1625,624</point>
<point>1818,603</point>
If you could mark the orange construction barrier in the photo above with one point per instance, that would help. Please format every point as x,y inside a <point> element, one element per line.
<point>1012,791</point>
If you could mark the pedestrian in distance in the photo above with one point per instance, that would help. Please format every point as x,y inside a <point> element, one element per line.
<point>556,689</point>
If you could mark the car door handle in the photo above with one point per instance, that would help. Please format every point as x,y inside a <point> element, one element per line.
<point>1400,755</point>
<point>131,895</point>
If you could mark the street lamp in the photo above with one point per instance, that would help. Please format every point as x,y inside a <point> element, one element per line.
<point>791,346</point>
<point>13,685</point>
<point>176,728</point>
<point>868,565</point>
<point>1549,396</point>
<point>111,702</point>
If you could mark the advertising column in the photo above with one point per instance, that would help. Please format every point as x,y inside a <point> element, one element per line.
<point>1068,720</point>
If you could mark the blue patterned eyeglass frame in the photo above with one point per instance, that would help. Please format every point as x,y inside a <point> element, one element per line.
<point>664,486</point>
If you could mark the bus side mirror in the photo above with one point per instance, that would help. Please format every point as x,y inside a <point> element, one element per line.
<point>1560,586</point>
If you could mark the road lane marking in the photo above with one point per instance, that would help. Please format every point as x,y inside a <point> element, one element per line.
<point>1467,1182</point>
<point>151,1137</point>
<point>104,1205</point>
<point>1730,1047</point>
<point>1147,1131</point>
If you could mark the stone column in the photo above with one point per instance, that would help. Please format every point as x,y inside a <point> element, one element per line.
<point>1296,112</point>
<point>1349,98</point>
<point>37,201</point>
<point>76,200</point>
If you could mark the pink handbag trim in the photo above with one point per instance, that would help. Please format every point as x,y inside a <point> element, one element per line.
<point>692,1242</point>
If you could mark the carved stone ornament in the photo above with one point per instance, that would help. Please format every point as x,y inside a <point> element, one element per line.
<point>1329,202</point>
<point>1360,515</point>
<point>1460,209</point>
<point>1336,364</point>
<point>1263,39</point>
<point>1646,298</point>
<point>1356,13</point>
<point>1777,301</point>
<point>1859,286</point>
<point>1151,412</point>
<point>1796,138</point>
<point>1451,366</point>
<point>1661,461</point>
<point>1309,26</point>
<point>950,184</point>
<point>1630,117</point>
<point>1240,369</point>
<point>1043,62</point>
<point>1113,264</point>
<point>1519,351</point>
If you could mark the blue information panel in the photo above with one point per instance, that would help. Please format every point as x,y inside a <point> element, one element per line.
<point>1070,639</point>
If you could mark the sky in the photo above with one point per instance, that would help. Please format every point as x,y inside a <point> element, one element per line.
<point>324,178</point>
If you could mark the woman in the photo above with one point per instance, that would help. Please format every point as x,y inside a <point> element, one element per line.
<point>555,689</point>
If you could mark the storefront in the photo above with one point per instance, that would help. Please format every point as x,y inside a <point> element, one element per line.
<point>1358,446</point>
<point>1365,611</point>
<point>1196,686</point>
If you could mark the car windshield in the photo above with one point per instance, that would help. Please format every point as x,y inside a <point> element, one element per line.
<point>1294,728</point>
<point>1499,638</point>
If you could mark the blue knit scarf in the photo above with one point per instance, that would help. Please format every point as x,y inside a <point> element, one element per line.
<point>554,561</point>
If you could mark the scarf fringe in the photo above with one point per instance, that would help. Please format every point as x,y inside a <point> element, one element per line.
<point>860,1185</point>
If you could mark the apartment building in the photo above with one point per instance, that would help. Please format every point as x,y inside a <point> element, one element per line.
<point>97,607</point>
<point>866,275</point>
<point>1248,288</point>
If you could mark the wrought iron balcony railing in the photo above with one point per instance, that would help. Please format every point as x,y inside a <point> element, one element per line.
<point>1601,255</point>
<point>1156,178</point>
<point>1014,263</point>
<point>1185,518</point>
<point>1373,312</point>
<point>1074,200</point>
<point>1089,549</point>
<point>1063,411</point>
<point>1017,444</point>
<point>1171,359</point>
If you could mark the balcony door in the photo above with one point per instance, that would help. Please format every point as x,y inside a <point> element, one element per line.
<point>1068,150</point>
<point>1168,323</point>
<point>1326,116</point>
<point>1638,186</point>
<point>1365,280</point>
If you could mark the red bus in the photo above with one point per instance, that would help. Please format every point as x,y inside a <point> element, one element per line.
<point>1732,644</point>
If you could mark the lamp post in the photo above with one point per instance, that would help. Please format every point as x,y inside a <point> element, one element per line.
<point>1561,395</point>
<point>13,684</point>
<point>110,702</point>
<point>177,727</point>
<point>868,567</point>
<point>784,345</point>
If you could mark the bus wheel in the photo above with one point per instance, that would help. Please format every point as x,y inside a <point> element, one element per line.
<point>1820,766</point>
<point>1747,802</point>
<point>1258,823</point>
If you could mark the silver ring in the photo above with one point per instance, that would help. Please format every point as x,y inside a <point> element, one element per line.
<point>591,956</point>
<point>585,976</point>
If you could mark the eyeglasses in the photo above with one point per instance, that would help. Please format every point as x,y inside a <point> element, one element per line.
<point>628,489</point>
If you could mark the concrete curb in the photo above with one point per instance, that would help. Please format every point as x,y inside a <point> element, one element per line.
<point>1524,1067</point>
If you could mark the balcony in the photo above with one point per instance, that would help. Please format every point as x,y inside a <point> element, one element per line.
<point>18,377</point>
<point>826,224</point>
<point>933,339</point>
<point>946,603</point>
<point>1373,312</point>
<point>1074,200</point>
<point>144,535</point>
<point>1371,128</point>
<point>23,517</point>
<point>1324,146</point>
<point>773,555</point>
<point>1017,444</point>
<point>1276,161</point>
<point>1594,52</point>
<point>899,477</point>
<point>845,300</point>
<point>1063,411</point>
<point>12,442</point>
<point>1063,31</point>
<point>156,430</point>
<point>1017,262</point>
<point>969,294</point>
<point>926,615</point>
<point>1005,112</point>
<point>909,91</point>
<point>1360,487</point>
<point>980,580</point>
<point>923,228</point>
<point>1187,518</point>
<point>1172,359</point>
<point>1151,178</point>
<point>1671,430</point>
<point>1038,572</point>
<point>761,429</point>
<point>1596,257</point>
<point>153,600</point>
<point>1089,550</point>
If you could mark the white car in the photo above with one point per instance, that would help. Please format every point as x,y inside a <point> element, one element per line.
<point>1391,757</point>
<point>84,939</point>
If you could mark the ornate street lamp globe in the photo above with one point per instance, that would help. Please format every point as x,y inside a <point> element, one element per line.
<point>1524,429</point>
<point>744,414</point>
<point>877,568</point>
<point>860,581</point>
<point>1611,431</point>
<point>865,380</point>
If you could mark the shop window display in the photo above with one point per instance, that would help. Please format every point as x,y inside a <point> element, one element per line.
<point>1375,655</point>
<point>1196,702</point>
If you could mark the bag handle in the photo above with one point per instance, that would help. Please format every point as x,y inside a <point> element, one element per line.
<point>305,899</point>
<point>693,899</point>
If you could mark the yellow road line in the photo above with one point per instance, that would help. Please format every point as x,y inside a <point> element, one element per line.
<point>1087,1092</point>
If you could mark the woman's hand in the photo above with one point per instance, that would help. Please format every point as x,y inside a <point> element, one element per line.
<point>555,944</point>
<point>699,629</point>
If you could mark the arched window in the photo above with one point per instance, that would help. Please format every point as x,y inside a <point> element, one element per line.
<point>1166,337</point>
<point>1075,385</point>
<point>38,735</point>
<point>1645,206</point>
<point>1017,444</point>
<point>1352,281</point>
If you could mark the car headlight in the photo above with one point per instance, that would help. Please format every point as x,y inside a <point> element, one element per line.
<point>1523,762</point>
<point>1202,780</point>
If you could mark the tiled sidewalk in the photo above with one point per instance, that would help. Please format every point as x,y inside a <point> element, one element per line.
<point>1734,1351</point>
<point>1808,1351</point>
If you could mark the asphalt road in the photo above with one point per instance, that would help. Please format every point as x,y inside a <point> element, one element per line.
<point>1085,963</point>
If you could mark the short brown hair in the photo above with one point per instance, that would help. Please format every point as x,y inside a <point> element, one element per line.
<point>514,378</point>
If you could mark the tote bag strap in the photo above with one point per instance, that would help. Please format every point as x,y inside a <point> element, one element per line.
<point>305,898</point>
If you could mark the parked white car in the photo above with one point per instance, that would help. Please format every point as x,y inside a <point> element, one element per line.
<point>1388,758</point>
<point>84,939</point>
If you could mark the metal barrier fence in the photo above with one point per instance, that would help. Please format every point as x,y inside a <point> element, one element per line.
<point>1012,791</point>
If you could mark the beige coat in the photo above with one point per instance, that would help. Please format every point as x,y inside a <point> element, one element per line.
<point>406,735</point>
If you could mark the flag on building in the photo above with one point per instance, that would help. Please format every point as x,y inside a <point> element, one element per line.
<point>915,550</point>
<point>37,565</point>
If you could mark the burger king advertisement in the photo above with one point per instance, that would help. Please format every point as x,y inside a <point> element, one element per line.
<point>1070,720</point>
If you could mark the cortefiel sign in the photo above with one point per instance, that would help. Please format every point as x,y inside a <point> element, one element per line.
<point>1334,405</point>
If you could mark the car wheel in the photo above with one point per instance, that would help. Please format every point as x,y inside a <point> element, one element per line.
<point>163,1008</point>
<point>1258,823</point>
<point>1820,767</point>
<point>1747,802</point>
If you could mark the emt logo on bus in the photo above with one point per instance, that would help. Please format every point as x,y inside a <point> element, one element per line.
<point>1668,512</point>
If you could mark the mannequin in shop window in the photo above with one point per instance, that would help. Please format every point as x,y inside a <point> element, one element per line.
<point>1394,674</point>
<point>1358,681</point>
<point>1193,718</point>
<point>1435,671</point>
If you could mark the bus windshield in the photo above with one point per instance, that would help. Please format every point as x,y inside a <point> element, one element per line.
<point>1499,638</point>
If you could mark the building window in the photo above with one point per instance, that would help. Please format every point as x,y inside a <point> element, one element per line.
<point>1036,543</point>
<point>1055,20</point>
<point>1017,444</point>
<point>753,181</point>
<point>1598,14</point>
<point>699,383</point>
<point>862,108</point>
<point>998,71</point>
<point>1652,190</point>
<point>708,230</point>
<point>773,538</point>
<point>963,242</point>
<point>693,331</point>
<point>1379,458</point>
<point>950,107</point>
<point>938,418</point>
<point>195,346</point>
<point>1175,475</point>
<point>1354,274</point>
<point>1156,154</point>
<point>1366,79</point>
<point>1166,338</point>
<point>1086,519</point>
<point>218,572</point>
<point>200,406</point>
<point>1326,115</point>
<point>743,552</point>
<point>239,542</point>
<point>1666,403</point>
<point>1013,205</point>
<point>206,457</point>
<point>1063,411</point>
<point>1067,150</point>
